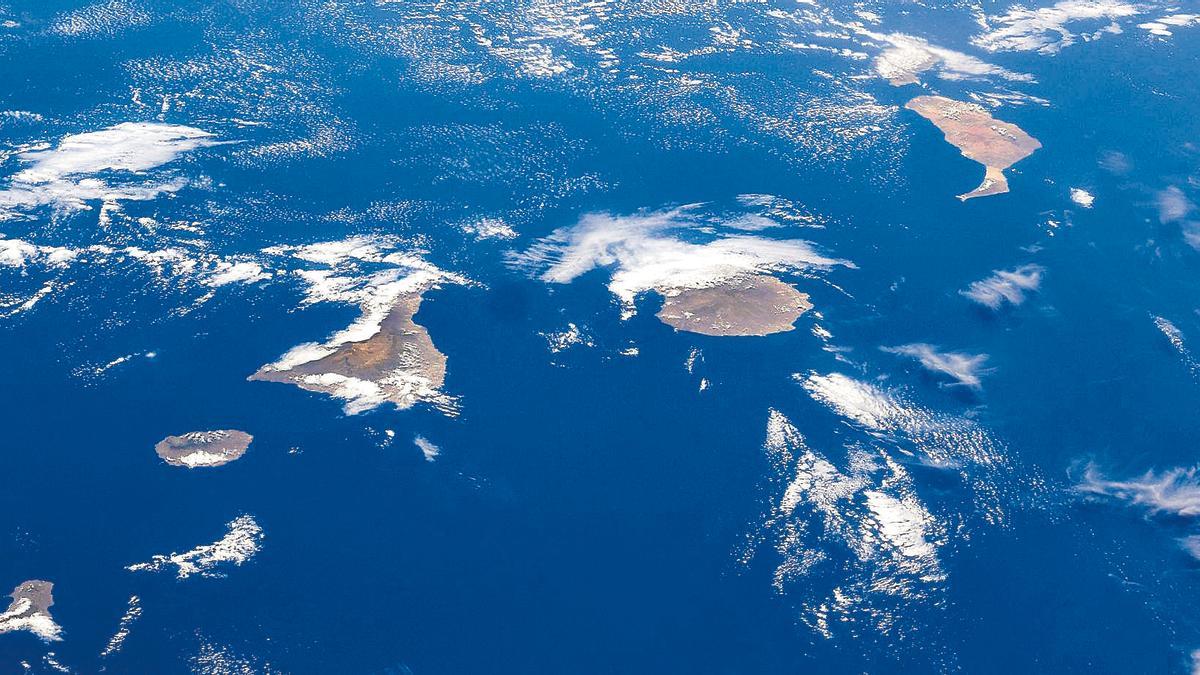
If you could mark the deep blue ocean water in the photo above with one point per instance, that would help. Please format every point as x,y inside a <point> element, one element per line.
<point>591,511</point>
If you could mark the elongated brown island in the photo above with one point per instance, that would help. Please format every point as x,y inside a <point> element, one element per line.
<point>979,136</point>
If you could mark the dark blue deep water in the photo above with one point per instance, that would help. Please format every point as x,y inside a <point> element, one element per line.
<point>593,510</point>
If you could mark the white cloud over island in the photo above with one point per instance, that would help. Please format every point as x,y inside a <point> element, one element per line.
<point>662,250</point>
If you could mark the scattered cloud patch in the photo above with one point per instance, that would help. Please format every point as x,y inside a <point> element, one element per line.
<point>20,116</point>
<point>944,440</point>
<point>1174,491</point>
<point>1191,544</point>
<point>1082,197</point>
<point>996,99</point>
<point>1006,286</point>
<point>571,336</point>
<point>65,177</point>
<point>245,272</point>
<point>102,18</point>
<point>861,516</point>
<point>243,539</point>
<point>1175,338</point>
<point>195,270</point>
<point>850,398</point>
<point>1114,162</point>
<point>1161,27</point>
<point>217,659</point>
<point>963,368</point>
<point>907,56</point>
<point>427,448</point>
<point>1048,30</point>
<point>489,228</point>
<point>130,146</point>
<point>1173,205</point>
<point>117,641</point>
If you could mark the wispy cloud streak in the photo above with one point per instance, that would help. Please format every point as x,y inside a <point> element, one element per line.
<point>1006,286</point>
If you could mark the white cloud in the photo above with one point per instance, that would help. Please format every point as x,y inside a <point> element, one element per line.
<point>907,56</point>
<point>571,336</point>
<point>216,659</point>
<point>863,519</point>
<point>1082,197</point>
<point>117,641</point>
<point>944,440</point>
<point>489,228</point>
<point>341,252</point>
<point>19,253</point>
<point>995,99</point>
<point>1046,30</point>
<point>103,18</point>
<point>19,617</point>
<point>647,252</point>
<point>21,116</point>
<point>342,276</point>
<point>1173,204</point>
<point>199,267</point>
<point>1174,491</point>
<point>240,543</point>
<point>129,146</point>
<point>375,294</point>
<point>1191,544</point>
<point>1175,337</point>
<point>1172,332</point>
<point>1162,26</point>
<point>902,523</point>
<point>64,176</point>
<point>427,448</point>
<point>963,368</point>
<point>1003,286</point>
<point>856,400</point>
<point>245,272</point>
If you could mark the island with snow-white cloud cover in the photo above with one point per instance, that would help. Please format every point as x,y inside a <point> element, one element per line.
<point>30,611</point>
<point>203,448</point>
<point>384,356</point>
<point>717,285</point>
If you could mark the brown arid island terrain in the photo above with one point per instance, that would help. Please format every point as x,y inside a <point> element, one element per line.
<point>398,363</point>
<point>203,448</point>
<point>980,137</point>
<point>30,610</point>
<point>748,305</point>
